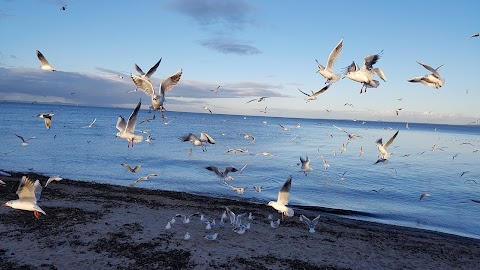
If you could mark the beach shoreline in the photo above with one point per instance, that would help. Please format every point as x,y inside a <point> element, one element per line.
<point>103,226</point>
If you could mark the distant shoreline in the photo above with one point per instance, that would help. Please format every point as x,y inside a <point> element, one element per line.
<point>92,225</point>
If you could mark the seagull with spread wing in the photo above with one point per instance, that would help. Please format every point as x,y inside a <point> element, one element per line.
<point>224,174</point>
<point>282,201</point>
<point>126,130</point>
<point>433,80</point>
<point>327,72</point>
<point>24,142</point>
<point>310,223</point>
<point>47,117</point>
<point>365,74</point>
<point>260,99</point>
<point>203,141</point>
<point>45,65</point>
<point>351,136</point>
<point>314,95</point>
<point>29,193</point>
<point>382,148</point>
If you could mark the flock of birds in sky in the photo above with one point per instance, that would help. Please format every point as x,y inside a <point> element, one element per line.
<point>29,191</point>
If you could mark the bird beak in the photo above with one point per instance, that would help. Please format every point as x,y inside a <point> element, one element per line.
<point>5,204</point>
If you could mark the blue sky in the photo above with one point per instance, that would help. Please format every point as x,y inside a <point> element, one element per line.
<point>249,48</point>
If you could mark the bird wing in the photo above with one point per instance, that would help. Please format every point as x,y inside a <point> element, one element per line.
<point>42,58</point>
<point>94,120</point>
<point>474,35</point>
<point>251,100</point>
<point>135,168</point>
<point>21,138</point>
<point>300,92</point>
<point>415,79</point>
<point>138,69</point>
<point>319,65</point>
<point>334,55</point>
<point>126,166</point>
<point>132,120</point>
<point>429,68</point>
<point>391,139</point>
<point>204,137</point>
<point>379,142</point>
<point>144,84</point>
<point>169,82</point>
<point>229,169</point>
<point>315,220</point>
<point>121,124</point>
<point>340,129</point>
<point>321,90</point>
<point>153,69</point>
<point>284,193</point>
<point>29,189</point>
<point>351,68</point>
<point>302,160</point>
<point>214,169</point>
<point>371,60</point>
<point>380,74</point>
<point>189,137</point>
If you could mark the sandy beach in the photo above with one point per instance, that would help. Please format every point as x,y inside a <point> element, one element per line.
<point>98,226</point>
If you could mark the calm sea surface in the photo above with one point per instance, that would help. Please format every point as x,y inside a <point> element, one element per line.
<point>95,154</point>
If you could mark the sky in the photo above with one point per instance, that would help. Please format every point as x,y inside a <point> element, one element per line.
<point>248,48</point>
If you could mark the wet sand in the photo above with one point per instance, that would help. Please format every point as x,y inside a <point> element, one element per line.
<point>98,226</point>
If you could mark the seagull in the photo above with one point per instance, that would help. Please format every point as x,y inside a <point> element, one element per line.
<point>168,122</point>
<point>168,226</point>
<point>327,72</point>
<point>63,7</point>
<point>29,193</point>
<point>146,76</point>
<point>257,188</point>
<point>221,175</point>
<point>423,196</point>
<point>134,169</point>
<point>260,99</point>
<point>465,172</point>
<point>314,95</point>
<point>351,136</point>
<point>45,65</point>
<point>157,98</point>
<point>267,154</point>
<point>204,140</point>
<point>283,197</point>
<point>48,119</point>
<point>53,178</point>
<point>361,152</point>
<point>216,89</point>
<point>397,110</point>
<point>275,224</point>
<point>349,104</point>
<point>310,223</point>
<point>433,80</point>
<point>234,151</point>
<point>206,108</point>
<point>365,74</point>
<point>238,190</point>
<point>127,129</point>
<point>284,128</point>
<point>264,111</point>
<point>186,219</point>
<point>143,178</point>
<point>211,237</point>
<point>24,142</point>
<point>474,35</point>
<point>382,148</point>
<point>91,124</point>
<point>305,165</point>
<point>187,236</point>
<point>248,136</point>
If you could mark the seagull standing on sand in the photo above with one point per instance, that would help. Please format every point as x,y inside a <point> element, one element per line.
<point>157,98</point>
<point>327,72</point>
<point>260,99</point>
<point>382,148</point>
<point>314,95</point>
<point>47,117</point>
<point>283,197</point>
<point>29,193</point>
<point>310,223</point>
<point>127,129</point>
<point>433,80</point>
<point>203,141</point>
<point>365,74</point>
<point>45,65</point>
<point>305,165</point>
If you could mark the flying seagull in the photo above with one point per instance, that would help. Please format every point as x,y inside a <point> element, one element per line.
<point>24,142</point>
<point>260,99</point>
<point>203,141</point>
<point>433,80</point>
<point>143,178</point>
<point>474,35</point>
<point>29,193</point>
<point>314,95</point>
<point>365,74</point>
<point>305,165</point>
<point>91,124</point>
<point>283,197</point>
<point>53,178</point>
<point>382,148</point>
<point>134,169</point>
<point>45,65</point>
<point>327,72</point>
<point>48,119</point>
<point>310,223</point>
<point>221,175</point>
<point>351,136</point>
<point>126,129</point>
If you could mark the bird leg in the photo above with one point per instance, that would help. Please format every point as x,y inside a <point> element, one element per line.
<point>36,214</point>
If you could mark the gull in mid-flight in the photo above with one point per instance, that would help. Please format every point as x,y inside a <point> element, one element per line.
<point>126,129</point>
<point>314,95</point>
<point>365,74</point>
<point>224,174</point>
<point>382,148</point>
<point>24,142</point>
<point>433,80</point>
<point>260,99</point>
<point>53,178</point>
<point>134,169</point>
<point>283,197</point>
<point>91,124</point>
<point>143,178</point>
<point>203,141</point>
<point>327,72</point>
<point>305,165</point>
<point>216,89</point>
<point>351,136</point>
<point>157,98</point>
<point>29,193</point>
<point>425,194</point>
<point>310,223</point>
<point>47,117</point>
<point>45,65</point>
<point>474,35</point>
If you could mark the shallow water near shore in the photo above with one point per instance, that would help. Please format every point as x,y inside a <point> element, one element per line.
<point>387,193</point>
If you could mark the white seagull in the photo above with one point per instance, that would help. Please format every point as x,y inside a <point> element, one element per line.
<point>310,223</point>
<point>53,178</point>
<point>283,197</point>
<point>224,174</point>
<point>91,124</point>
<point>365,74</point>
<point>305,165</point>
<point>314,95</point>
<point>143,178</point>
<point>474,35</point>
<point>327,72</point>
<point>24,142</point>
<point>157,98</point>
<point>433,80</point>
<point>48,119</point>
<point>28,192</point>
<point>204,140</point>
<point>45,65</point>
<point>382,148</point>
<point>127,129</point>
